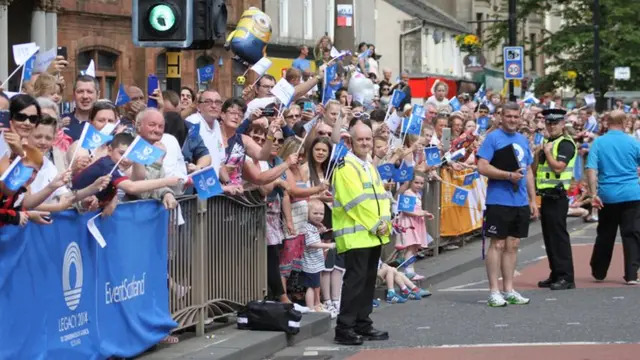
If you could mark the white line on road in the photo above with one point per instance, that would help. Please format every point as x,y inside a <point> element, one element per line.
<point>618,297</point>
<point>462,290</point>
<point>550,299</point>
<point>573,323</point>
<point>424,328</point>
<point>501,325</point>
<point>529,344</point>
<point>310,353</point>
<point>482,301</point>
<point>321,348</point>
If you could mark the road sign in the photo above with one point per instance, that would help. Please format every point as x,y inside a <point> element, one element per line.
<point>622,73</point>
<point>513,62</point>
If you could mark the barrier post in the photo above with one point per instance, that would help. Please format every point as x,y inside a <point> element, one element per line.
<point>198,257</point>
<point>431,203</point>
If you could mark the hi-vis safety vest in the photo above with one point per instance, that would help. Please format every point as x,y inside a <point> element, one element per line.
<point>360,205</point>
<point>547,178</point>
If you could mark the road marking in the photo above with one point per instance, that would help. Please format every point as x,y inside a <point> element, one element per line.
<point>573,323</point>
<point>482,301</point>
<point>463,290</point>
<point>501,325</point>
<point>550,299</point>
<point>321,348</point>
<point>424,328</point>
<point>310,353</point>
<point>618,297</point>
<point>454,346</point>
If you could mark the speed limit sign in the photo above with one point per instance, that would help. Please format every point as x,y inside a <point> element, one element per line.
<point>513,62</point>
<point>513,69</point>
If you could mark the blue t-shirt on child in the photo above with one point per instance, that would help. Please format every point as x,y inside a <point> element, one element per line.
<point>500,192</point>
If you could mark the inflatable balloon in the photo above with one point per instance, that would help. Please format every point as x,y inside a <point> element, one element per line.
<point>361,87</point>
<point>250,38</point>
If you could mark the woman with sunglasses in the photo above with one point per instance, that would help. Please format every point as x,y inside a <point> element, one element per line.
<point>24,114</point>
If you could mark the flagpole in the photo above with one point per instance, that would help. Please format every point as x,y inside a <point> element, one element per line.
<point>79,144</point>
<point>135,141</point>
<point>22,77</point>
<point>10,76</point>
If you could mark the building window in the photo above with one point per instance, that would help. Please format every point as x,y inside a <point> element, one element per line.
<point>106,64</point>
<point>201,62</point>
<point>284,18</point>
<point>308,20</point>
<point>161,70</point>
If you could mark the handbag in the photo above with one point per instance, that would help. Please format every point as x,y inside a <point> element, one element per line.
<point>269,316</point>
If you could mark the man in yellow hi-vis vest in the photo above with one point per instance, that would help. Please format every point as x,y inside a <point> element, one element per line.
<point>361,225</point>
<point>553,165</point>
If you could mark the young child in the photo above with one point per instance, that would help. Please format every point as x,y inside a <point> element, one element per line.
<point>577,199</point>
<point>313,261</point>
<point>415,236</point>
<point>107,197</point>
<point>408,290</point>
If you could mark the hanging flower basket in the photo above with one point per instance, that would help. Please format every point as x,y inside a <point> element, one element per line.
<point>468,43</point>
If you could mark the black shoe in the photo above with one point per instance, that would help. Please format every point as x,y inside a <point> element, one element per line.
<point>348,337</point>
<point>563,285</point>
<point>545,283</point>
<point>373,335</point>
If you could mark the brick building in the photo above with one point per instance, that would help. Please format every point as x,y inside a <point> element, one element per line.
<point>101,30</point>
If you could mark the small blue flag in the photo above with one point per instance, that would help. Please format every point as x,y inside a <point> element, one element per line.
<point>28,68</point>
<point>483,123</point>
<point>460,196</point>
<point>16,175</point>
<point>386,171</point>
<point>468,179</point>
<point>403,174</point>
<point>577,168</point>
<point>627,108</point>
<point>480,94</point>
<point>206,183</point>
<point>538,139</point>
<point>331,73</point>
<point>339,151</point>
<point>329,92</point>
<point>411,125</point>
<point>407,203</point>
<point>142,152</point>
<point>122,97</point>
<point>432,155</point>
<point>408,262</point>
<point>365,54</point>
<point>206,73</point>
<point>397,97</point>
<point>455,103</point>
<point>91,138</point>
<point>194,131</point>
<point>418,111</point>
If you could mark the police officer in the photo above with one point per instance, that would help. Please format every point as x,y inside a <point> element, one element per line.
<point>553,165</point>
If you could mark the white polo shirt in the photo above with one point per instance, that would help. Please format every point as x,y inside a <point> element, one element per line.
<point>212,138</point>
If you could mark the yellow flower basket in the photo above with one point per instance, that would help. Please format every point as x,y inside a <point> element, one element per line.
<point>468,43</point>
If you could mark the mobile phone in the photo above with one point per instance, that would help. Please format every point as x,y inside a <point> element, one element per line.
<point>268,112</point>
<point>308,106</point>
<point>46,218</point>
<point>446,139</point>
<point>152,85</point>
<point>349,99</point>
<point>62,51</point>
<point>5,117</point>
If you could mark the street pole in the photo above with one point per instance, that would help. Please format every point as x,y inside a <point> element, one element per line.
<point>596,55</point>
<point>174,69</point>
<point>513,39</point>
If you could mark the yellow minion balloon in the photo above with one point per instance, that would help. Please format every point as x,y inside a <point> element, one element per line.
<point>250,38</point>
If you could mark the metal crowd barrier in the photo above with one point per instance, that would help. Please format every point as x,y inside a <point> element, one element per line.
<point>217,257</point>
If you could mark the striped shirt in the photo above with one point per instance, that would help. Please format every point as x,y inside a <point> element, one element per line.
<point>313,261</point>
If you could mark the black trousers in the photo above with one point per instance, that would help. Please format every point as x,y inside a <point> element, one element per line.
<point>625,215</point>
<point>557,243</point>
<point>356,304</point>
<point>274,283</point>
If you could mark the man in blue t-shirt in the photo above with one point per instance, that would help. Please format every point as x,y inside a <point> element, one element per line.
<point>510,204</point>
<point>301,63</point>
<point>612,172</point>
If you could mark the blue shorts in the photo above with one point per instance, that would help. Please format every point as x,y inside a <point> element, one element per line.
<point>311,280</point>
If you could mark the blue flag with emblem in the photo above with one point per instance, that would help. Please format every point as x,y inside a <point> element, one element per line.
<point>386,171</point>
<point>142,152</point>
<point>411,125</point>
<point>483,123</point>
<point>432,155</point>
<point>93,303</point>
<point>539,138</point>
<point>460,196</point>
<point>339,151</point>
<point>418,111</point>
<point>91,138</point>
<point>27,69</point>
<point>331,72</point>
<point>206,73</point>
<point>194,131</point>
<point>122,98</point>
<point>468,179</point>
<point>397,97</point>
<point>403,174</point>
<point>407,203</point>
<point>206,183</point>
<point>16,175</point>
<point>455,103</point>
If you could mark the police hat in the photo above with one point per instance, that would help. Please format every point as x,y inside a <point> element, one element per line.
<point>553,115</point>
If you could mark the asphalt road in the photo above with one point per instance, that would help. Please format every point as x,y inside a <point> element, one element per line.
<point>594,321</point>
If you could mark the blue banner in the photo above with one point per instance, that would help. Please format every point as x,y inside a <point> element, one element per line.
<point>64,297</point>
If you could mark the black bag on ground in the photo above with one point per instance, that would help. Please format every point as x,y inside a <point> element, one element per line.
<point>269,316</point>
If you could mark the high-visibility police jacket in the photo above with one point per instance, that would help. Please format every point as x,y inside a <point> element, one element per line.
<point>546,178</point>
<point>360,205</point>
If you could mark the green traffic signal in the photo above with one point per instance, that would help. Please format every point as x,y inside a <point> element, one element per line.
<point>162,18</point>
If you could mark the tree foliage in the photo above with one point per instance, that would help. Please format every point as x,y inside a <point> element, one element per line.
<point>571,48</point>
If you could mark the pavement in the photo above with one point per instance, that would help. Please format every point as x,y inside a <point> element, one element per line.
<point>594,321</point>
<point>598,320</point>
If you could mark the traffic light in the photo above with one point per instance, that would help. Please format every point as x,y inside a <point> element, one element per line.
<point>180,24</point>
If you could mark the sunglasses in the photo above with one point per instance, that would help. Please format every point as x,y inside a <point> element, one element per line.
<point>324,133</point>
<point>278,140</point>
<point>361,115</point>
<point>20,117</point>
